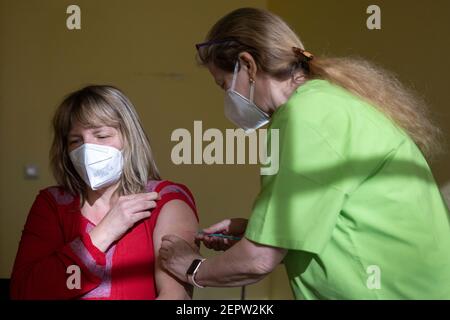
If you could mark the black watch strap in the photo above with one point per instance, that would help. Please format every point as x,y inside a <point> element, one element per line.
<point>192,271</point>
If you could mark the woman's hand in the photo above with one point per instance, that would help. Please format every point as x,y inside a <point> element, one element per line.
<point>233,227</point>
<point>126,212</point>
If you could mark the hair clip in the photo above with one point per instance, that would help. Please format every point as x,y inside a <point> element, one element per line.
<point>300,52</point>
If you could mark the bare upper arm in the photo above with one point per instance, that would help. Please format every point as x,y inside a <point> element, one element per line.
<point>176,217</point>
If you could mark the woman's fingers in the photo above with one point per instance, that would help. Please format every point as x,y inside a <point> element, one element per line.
<point>141,205</point>
<point>138,216</point>
<point>151,196</point>
<point>138,202</point>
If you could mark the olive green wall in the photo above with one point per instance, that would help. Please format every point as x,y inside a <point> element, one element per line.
<point>146,49</point>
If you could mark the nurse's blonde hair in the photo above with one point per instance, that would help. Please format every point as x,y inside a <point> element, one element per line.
<point>95,106</point>
<point>275,49</point>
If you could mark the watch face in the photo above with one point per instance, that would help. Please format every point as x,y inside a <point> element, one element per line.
<point>194,264</point>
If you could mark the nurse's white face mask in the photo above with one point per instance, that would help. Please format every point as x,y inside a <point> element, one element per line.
<point>99,166</point>
<point>241,111</point>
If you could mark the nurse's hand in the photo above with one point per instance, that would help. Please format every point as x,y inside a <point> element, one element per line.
<point>176,255</point>
<point>233,227</point>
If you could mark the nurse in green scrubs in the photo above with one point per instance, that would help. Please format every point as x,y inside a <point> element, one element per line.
<point>354,211</point>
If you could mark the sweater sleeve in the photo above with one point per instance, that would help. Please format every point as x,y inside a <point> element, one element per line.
<point>47,267</point>
<point>169,190</point>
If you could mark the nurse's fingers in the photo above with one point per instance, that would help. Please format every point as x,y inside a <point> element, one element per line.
<point>214,244</point>
<point>225,245</point>
<point>218,244</point>
<point>209,242</point>
<point>206,241</point>
<point>218,227</point>
<point>166,245</point>
<point>170,238</point>
<point>163,253</point>
<point>200,236</point>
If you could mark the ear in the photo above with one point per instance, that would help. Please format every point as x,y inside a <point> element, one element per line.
<point>249,63</point>
<point>298,78</point>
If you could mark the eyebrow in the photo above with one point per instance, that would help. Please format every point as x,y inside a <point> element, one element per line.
<point>98,129</point>
<point>95,130</point>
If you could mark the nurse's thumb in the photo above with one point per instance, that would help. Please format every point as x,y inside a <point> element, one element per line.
<point>218,227</point>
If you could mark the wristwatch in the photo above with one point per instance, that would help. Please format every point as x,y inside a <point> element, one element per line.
<point>192,271</point>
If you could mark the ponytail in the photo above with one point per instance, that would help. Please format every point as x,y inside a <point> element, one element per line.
<point>382,89</point>
<point>278,52</point>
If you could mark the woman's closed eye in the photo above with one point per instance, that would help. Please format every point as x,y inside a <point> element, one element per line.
<point>74,141</point>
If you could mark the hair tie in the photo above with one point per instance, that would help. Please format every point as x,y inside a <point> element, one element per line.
<point>303,53</point>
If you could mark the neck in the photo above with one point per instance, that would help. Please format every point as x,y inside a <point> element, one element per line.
<point>102,197</point>
<point>282,91</point>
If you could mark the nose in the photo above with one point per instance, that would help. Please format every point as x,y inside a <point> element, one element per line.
<point>88,139</point>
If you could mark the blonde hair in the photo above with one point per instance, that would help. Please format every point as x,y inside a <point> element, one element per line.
<point>275,49</point>
<point>95,106</point>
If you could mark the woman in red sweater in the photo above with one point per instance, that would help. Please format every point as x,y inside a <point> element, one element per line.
<point>97,234</point>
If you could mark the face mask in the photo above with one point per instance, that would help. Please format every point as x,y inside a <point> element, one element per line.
<point>99,166</point>
<point>243,112</point>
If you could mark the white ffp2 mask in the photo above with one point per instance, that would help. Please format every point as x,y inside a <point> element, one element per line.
<point>99,166</point>
<point>243,112</point>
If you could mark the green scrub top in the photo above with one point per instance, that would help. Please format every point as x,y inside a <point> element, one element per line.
<point>354,202</point>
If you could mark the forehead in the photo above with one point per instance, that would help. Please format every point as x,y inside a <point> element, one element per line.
<point>78,127</point>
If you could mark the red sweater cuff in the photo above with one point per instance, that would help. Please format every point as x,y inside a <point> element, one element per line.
<point>98,255</point>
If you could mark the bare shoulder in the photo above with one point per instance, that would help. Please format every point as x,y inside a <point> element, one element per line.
<point>177,218</point>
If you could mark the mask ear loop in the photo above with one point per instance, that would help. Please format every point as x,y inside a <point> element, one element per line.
<point>233,82</point>
<point>252,86</point>
<point>252,89</point>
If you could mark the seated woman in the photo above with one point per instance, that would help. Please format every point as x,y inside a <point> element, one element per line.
<point>97,234</point>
